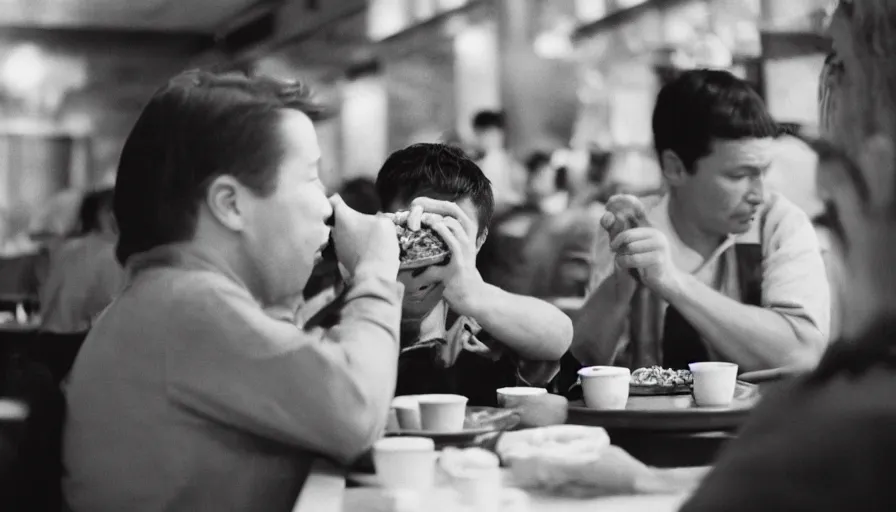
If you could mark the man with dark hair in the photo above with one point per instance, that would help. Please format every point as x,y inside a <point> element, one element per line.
<point>507,176</point>
<point>826,441</point>
<point>196,389</point>
<point>459,334</point>
<point>720,269</point>
<point>83,275</point>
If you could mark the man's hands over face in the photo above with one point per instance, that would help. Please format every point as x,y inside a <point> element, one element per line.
<point>460,277</point>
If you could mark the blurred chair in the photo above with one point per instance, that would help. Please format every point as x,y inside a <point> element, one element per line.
<point>57,352</point>
<point>32,480</point>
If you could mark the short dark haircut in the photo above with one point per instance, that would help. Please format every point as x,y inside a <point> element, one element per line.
<point>536,161</point>
<point>361,194</point>
<point>599,163</point>
<point>94,205</point>
<point>485,119</point>
<point>703,105</point>
<point>199,126</point>
<point>438,171</point>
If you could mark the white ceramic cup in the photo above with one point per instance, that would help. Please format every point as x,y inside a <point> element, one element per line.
<point>442,413</point>
<point>714,383</point>
<point>605,387</point>
<point>405,462</point>
<point>476,476</point>
<point>512,397</point>
<point>407,412</point>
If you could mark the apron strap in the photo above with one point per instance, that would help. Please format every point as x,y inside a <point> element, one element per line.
<point>682,343</point>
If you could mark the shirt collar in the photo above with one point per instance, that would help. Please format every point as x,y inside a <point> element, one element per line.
<point>683,256</point>
<point>183,255</point>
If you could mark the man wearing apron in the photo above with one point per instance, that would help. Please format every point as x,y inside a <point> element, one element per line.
<point>725,270</point>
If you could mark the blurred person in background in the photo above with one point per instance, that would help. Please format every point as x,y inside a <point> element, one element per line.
<point>503,260</point>
<point>460,334</point>
<point>826,441</point>
<point>506,174</point>
<point>188,393</point>
<point>560,247</point>
<point>546,184</point>
<point>83,275</point>
<point>733,273</point>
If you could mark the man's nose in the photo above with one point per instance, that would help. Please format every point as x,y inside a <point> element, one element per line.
<point>756,194</point>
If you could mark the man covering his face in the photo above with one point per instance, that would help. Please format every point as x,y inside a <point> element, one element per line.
<point>460,334</point>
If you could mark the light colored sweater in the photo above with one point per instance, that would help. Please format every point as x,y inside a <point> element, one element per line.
<point>188,396</point>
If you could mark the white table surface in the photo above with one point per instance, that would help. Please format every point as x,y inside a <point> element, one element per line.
<point>325,491</point>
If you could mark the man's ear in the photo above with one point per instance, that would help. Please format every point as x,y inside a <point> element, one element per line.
<point>876,161</point>
<point>673,168</point>
<point>481,239</point>
<point>223,201</point>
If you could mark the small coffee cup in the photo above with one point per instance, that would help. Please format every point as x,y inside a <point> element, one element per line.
<point>605,387</point>
<point>407,412</point>
<point>442,413</point>
<point>405,462</point>
<point>515,396</point>
<point>714,383</point>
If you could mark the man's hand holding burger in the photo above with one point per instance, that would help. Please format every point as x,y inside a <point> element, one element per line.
<point>365,244</point>
<point>461,279</point>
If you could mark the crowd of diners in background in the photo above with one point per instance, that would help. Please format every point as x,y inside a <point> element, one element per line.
<point>210,344</point>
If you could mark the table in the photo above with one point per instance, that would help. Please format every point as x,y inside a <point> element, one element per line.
<point>325,491</point>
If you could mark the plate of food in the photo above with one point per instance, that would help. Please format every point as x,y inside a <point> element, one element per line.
<point>656,380</point>
<point>420,248</point>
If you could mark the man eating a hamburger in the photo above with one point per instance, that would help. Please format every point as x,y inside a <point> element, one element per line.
<point>458,333</point>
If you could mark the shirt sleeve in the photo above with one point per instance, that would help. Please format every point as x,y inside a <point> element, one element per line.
<point>326,391</point>
<point>794,281</point>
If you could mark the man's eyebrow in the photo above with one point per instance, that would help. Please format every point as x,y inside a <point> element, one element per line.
<point>828,152</point>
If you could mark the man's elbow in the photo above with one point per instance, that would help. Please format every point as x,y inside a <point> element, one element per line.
<point>562,340</point>
<point>360,424</point>
<point>806,345</point>
<point>810,348</point>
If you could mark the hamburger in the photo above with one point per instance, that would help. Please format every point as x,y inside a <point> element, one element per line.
<point>629,213</point>
<point>421,248</point>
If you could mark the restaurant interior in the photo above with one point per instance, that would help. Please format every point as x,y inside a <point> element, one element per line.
<point>575,80</point>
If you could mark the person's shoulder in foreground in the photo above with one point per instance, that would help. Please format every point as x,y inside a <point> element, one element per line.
<point>825,443</point>
<point>447,191</point>
<point>222,216</point>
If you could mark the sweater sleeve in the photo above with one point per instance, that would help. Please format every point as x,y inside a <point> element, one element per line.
<point>327,391</point>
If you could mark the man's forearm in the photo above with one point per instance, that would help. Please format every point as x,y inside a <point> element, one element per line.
<point>532,328</point>
<point>600,322</point>
<point>753,337</point>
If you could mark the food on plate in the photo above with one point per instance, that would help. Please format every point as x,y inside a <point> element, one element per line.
<point>657,376</point>
<point>572,460</point>
<point>420,248</point>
